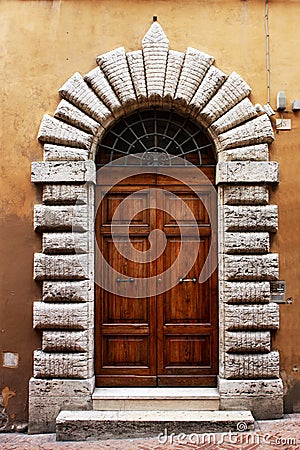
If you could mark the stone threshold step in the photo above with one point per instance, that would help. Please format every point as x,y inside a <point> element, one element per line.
<point>156,393</point>
<point>93,425</point>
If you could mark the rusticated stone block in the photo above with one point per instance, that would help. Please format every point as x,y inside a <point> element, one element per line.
<point>264,398</point>
<point>67,291</point>
<point>51,316</point>
<point>48,397</point>
<point>74,116</point>
<point>246,292</point>
<point>246,242</point>
<point>251,267</point>
<point>251,218</point>
<point>61,153</point>
<point>115,68</point>
<point>246,195</point>
<point>210,84</point>
<point>54,131</point>
<point>54,243</point>
<point>81,95</point>
<point>100,85</point>
<point>136,67</point>
<point>247,172</point>
<point>65,341</point>
<point>251,366</point>
<point>60,365</point>
<point>252,317</point>
<point>247,341</point>
<point>195,66</point>
<point>60,267</point>
<point>259,152</point>
<point>231,92</point>
<point>235,116</point>
<point>60,218</point>
<point>65,194</point>
<point>174,66</point>
<point>256,131</point>
<point>63,171</point>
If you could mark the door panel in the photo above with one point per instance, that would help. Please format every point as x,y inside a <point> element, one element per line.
<point>169,339</point>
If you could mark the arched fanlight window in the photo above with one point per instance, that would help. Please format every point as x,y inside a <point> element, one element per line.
<point>155,137</point>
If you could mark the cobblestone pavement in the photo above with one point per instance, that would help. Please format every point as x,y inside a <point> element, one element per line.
<point>268,434</point>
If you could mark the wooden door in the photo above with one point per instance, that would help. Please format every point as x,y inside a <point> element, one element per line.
<point>147,335</point>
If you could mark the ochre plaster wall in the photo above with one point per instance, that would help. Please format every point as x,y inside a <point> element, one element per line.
<point>43,43</point>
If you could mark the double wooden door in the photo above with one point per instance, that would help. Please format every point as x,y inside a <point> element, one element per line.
<point>156,325</point>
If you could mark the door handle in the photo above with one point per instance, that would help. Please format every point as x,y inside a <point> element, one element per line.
<point>124,280</point>
<point>191,280</point>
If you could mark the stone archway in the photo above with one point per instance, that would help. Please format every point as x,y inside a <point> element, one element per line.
<point>190,83</point>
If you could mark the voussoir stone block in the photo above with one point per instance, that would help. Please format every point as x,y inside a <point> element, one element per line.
<point>247,172</point>
<point>67,291</point>
<point>212,81</point>
<point>136,67</point>
<point>174,66</point>
<point>54,131</point>
<point>251,267</point>
<point>74,116</point>
<point>250,366</point>
<point>62,153</point>
<point>235,116</point>
<point>52,316</point>
<point>60,365</point>
<point>54,243</point>
<point>258,152</point>
<point>251,317</point>
<point>248,242</point>
<point>60,218</point>
<point>65,341</point>
<point>63,171</point>
<point>60,267</point>
<point>247,341</point>
<point>100,85</point>
<point>246,292</point>
<point>65,194</point>
<point>250,218</point>
<point>246,194</point>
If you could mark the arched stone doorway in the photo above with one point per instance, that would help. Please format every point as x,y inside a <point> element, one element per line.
<point>190,84</point>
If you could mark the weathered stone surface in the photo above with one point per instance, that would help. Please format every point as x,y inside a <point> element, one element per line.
<point>100,85</point>
<point>76,91</point>
<point>251,267</point>
<point>60,218</point>
<point>115,67</point>
<point>136,67</point>
<point>60,267</point>
<point>251,317</point>
<point>258,152</point>
<point>48,397</point>
<point>248,242</point>
<point>247,171</point>
<point>249,366</point>
<point>155,50</point>
<point>67,291</point>
<point>195,66</point>
<point>212,81</point>
<point>246,195</point>
<point>231,92</point>
<point>246,292</point>
<point>51,316</point>
<point>54,243</point>
<point>74,116</point>
<point>65,341</point>
<point>54,131</point>
<point>256,131</point>
<point>247,341</point>
<point>264,398</point>
<point>61,153</point>
<point>60,365</point>
<point>251,218</point>
<point>63,171</point>
<point>174,66</point>
<point>235,116</point>
<point>65,194</point>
